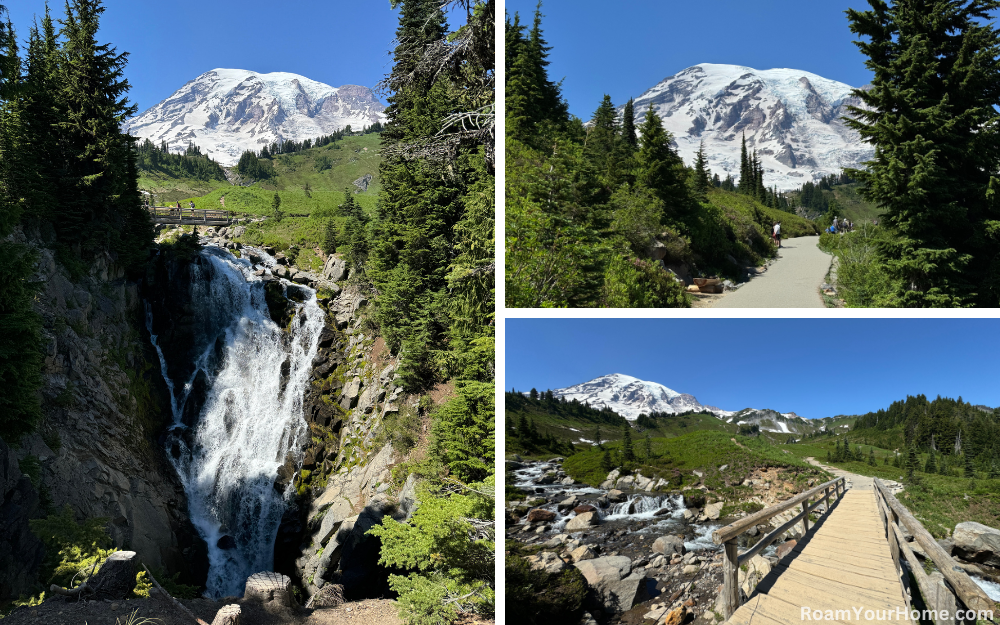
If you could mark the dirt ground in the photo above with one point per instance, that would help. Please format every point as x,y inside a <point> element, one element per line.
<point>157,610</point>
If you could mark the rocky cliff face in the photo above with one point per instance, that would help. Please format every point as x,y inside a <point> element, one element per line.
<point>20,550</point>
<point>346,485</point>
<point>103,411</point>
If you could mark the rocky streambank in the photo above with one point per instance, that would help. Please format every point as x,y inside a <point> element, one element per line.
<point>644,549</point>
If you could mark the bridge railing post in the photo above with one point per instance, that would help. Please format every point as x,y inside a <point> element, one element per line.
<point>805,517</point>
<point>731,578</point>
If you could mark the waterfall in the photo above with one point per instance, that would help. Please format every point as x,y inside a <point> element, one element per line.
<point>252,415</point>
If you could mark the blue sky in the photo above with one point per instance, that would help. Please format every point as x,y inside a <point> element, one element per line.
<point>599,48</point>
<point>814,367</point>
<point>333,41</point>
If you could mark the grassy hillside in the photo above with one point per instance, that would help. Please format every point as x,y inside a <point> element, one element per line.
<point>938,501</point>
<point>310,184</point>
<point>674,459</point>
<point>852,205</point>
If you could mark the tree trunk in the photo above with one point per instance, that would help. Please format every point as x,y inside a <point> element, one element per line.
<point>116,578</point>
<point>228,615</point>
<point>270,587</point>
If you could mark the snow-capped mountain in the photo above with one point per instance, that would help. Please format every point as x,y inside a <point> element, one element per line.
<point>791,117</point>
<point>228,111</point>
<point>631,397</point>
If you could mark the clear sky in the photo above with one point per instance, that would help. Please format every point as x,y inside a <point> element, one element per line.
<point>624,48</point>
<point>336,42</point>
<point>813,367</point>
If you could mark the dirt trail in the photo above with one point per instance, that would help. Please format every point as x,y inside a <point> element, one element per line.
<point>792,281</point>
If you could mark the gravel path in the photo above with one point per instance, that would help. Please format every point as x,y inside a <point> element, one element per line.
<point>791,282</point>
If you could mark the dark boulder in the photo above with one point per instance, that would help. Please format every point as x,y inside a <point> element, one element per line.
<point>20,550</point>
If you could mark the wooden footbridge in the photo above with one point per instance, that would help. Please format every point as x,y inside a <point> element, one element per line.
<point>190,216</point>
<point>848,567</point>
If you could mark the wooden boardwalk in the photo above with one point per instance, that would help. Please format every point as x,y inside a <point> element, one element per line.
<point>843,563</point>
<point>189,216</point>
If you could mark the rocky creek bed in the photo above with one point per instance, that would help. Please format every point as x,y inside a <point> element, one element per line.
<point>646,552</point>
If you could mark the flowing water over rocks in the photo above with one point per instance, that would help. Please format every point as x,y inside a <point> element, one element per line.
<point>237,381</point>
<point>665,558</point>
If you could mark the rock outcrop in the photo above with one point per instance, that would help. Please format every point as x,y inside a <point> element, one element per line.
<point>978,543</point>
<point>612,583</point>
<point>104,406</point>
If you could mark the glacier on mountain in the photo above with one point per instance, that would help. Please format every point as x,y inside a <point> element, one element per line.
<point>228,111</point>
<point>793,119</point>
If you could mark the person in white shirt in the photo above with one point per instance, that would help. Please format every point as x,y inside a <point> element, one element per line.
<point>777,233</point>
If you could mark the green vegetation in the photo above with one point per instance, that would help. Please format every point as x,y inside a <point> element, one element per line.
<point>938,501</point>
<point>931,115</point>
<point>540,598</point>
<point>449,543</point>
<point>586,204</point>
<point>862,279</point>
<point>427,256</point>
<point>542,426</point>
<point>674,458</point>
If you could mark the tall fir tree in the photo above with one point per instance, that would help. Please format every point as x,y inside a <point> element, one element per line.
<point>931,115</point>
<point>747,177</point>
<point>628,126</point>
<point>628,452</point>
<point>702,176</point>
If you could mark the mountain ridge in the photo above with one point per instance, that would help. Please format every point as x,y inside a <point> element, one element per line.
<point>228,111</point>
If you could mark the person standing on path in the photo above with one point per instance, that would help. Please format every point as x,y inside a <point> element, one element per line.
<point>777,233</point>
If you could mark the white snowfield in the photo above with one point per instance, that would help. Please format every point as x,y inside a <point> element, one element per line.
<point>228,111</point>
<point>791,117</point>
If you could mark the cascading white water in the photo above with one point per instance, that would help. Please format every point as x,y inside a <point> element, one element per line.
<point>252,416</point>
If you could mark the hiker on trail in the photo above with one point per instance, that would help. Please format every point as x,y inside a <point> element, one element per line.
<point>222,200</point>
<point>776,235</point>
<point>834,224</point>
<point>192,204</point>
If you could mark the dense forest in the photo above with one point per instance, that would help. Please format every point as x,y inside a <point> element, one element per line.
<point>68,176</point>
<point>596,213</point>
<point>950,427</point>
<point>191,164</point>
<point>525,412</point>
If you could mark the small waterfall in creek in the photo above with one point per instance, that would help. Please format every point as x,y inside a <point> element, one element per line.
<point>251,376</point>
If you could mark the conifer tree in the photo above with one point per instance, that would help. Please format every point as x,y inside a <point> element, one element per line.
<point>598,438</point>
<point>330,237</point>
<point>931,464</point>
<point>931,116</point>
<point>606,461</point>
<point>911,462</point>
<point>702,178</point>
<point>629,138</point>
<point>871,457</point>
<point>649,447</point>
<point>747,178</point>
<point>99,206</point>
<point>628,453</point>
<point>970,469</point>
<point>658,167</point>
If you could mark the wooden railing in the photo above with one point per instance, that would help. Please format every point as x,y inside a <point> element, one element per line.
<point>960,592</point>
<point>729,535</point>
<point>188,215</point>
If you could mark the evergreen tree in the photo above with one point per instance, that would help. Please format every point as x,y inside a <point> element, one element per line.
<point>533,394</point>
<point>649,447</point>
<point>702,177</point>
<point>911,462</point>
<point>99,208</point>
<point>330,237</point>
<point>276,212</point>
<point>871,457</point>
<point>598,438</point>
<point>931,465</point>
<point>970,470</point>
<point>628,453</point>
<point>659,169</point>
<point>931,116</point>
<point>606,461</point>
<point>747,177</point>
<point>628,127</point>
